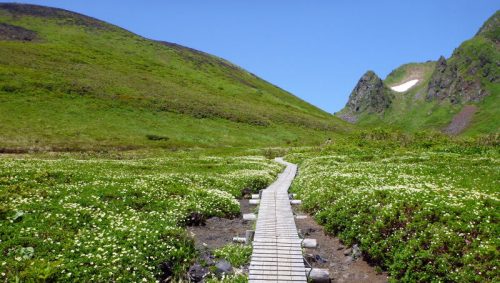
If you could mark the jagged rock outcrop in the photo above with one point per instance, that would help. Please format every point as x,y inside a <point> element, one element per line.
<point>369,96</point>
<point>441,79</point>
<point>461,83</point>
<point>463,77</point>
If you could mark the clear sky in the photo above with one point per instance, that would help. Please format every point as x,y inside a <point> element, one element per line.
<point>316,49</point>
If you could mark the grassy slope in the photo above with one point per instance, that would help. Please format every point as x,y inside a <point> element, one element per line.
<point>86,84</point>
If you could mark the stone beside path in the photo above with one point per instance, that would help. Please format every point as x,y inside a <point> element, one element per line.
<point>277,251</point>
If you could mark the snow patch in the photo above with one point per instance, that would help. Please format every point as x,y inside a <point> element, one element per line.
<point>405,86</point>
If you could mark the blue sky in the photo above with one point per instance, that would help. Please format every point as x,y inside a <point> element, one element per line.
<point>315,49</point>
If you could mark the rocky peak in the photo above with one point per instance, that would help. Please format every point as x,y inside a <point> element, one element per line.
<point>370,95</point>
<point>441,80</point>
<point>473,65</point>
<point>441,64</point>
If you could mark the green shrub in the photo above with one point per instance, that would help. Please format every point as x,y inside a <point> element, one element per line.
<point>423,215</point>
<point>236,254</point>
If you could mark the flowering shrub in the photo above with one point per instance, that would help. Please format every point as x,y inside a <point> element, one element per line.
<point>97,219</point>
<point>236,254</point>
<point>424,216</point>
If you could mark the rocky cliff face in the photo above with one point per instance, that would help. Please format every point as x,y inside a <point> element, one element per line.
<point>462,83</point>
<point>369,96</point>
<point>448,83</point>
<point>463,77</point>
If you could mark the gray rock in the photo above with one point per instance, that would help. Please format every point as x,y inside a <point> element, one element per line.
<point>320,259</point>
<point>207,258</point>
<point>197,272</point>
<point>319,276</point>
<point>356,252</point>
<point>223,266</point>
<point>369,96</point>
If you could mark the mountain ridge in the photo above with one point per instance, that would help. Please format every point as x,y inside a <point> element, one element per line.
<point>470,77</point>
<point>370,95</point>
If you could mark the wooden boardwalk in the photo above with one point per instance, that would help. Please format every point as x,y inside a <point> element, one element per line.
<point>277,251</point>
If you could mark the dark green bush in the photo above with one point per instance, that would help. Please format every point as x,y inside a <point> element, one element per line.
<point>157,138</point>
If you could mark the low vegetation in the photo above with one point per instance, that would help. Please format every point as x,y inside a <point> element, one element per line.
<point>423,207</point>
<point>235,254</point>
<point>159,136</point>
<point>74,218</point>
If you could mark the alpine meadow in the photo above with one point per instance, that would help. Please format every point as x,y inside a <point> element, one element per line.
<point>126,159</point>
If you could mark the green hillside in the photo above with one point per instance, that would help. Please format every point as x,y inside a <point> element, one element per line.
<point>458,95</point>
<point>70,82</point>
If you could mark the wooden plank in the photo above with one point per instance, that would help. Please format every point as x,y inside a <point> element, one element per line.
<point>277,250</point>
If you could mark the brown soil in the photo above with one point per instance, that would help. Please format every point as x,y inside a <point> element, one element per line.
<point>343,268</point>
<point>218,232</point>
<point>461,120</point>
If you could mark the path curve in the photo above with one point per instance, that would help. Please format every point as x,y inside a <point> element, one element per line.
<point>277,250</point>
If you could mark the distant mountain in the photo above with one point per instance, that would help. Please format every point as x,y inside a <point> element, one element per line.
<point>71,82</point>
<point>369,96</point>
<point>458,95</point>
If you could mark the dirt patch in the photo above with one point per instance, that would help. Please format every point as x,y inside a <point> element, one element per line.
<point>338,259</point>
<point>461,120</point>
<point>15,33</point>
<point>218,232</point>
